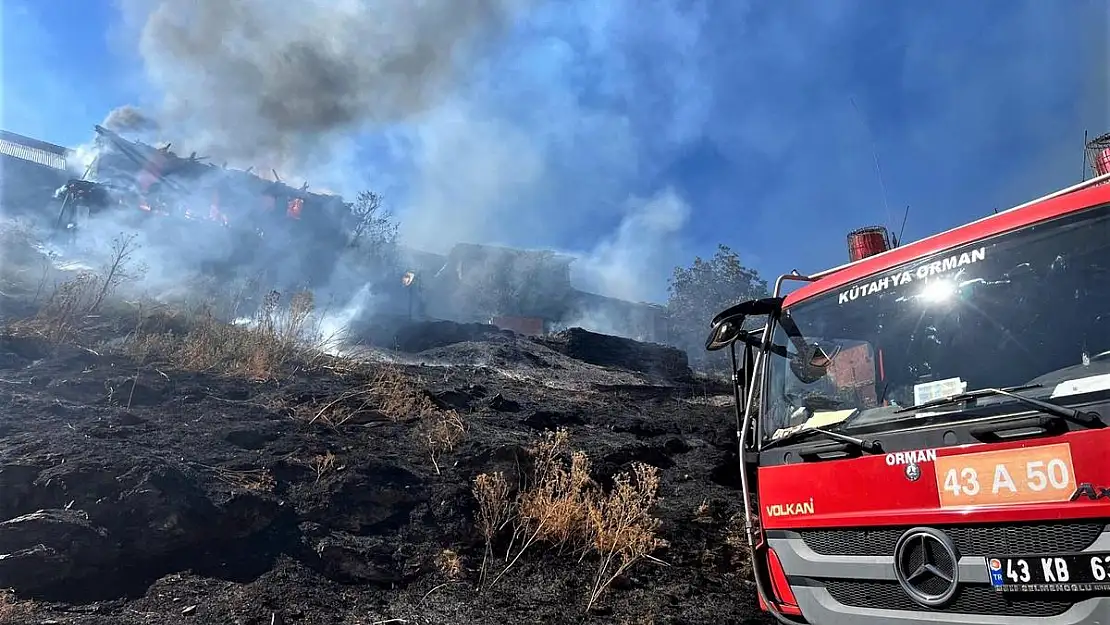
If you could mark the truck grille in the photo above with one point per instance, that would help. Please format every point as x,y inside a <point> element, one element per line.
<point>969,600</point>
<point>971,540</point>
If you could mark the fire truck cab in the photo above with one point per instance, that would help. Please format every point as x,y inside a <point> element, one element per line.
<point>923,430</point>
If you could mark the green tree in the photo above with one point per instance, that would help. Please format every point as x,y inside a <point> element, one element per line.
<point>700,291</point>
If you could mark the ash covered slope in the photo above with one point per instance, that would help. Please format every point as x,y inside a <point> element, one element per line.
<point>139,500</point>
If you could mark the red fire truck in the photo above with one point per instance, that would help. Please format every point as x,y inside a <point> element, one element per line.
<point>923,430</point>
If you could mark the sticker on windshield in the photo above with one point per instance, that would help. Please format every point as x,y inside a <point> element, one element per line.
<point>1089,384</point>
<point>820,419</point>
<point>924,272</point>
<point>930,391</point>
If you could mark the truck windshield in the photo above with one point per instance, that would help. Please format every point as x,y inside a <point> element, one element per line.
<point>1030,307</point>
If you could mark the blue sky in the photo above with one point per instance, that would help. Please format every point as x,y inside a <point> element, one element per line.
<point>641,133</point>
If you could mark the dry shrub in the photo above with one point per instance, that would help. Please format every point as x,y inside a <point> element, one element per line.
<point>443,429</point>
<point>554,508</point>
<point>19,245</point>
<point>561,507</point>
<point>387,392</point>
<point>25,267</point>
<point>68,307</point>
<point>621,526</point>
<point>398,396</point>
<point>495,511</point>
<point>285,328</point>
<point>12,609</point>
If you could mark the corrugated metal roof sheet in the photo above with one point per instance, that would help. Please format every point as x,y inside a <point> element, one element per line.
<point>34,155</point>
<point>33,143</point>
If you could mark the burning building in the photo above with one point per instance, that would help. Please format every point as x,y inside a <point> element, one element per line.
<point>259,222</point>
<point>485,282</point>
<point>269,224</point>
<point>526,291</point>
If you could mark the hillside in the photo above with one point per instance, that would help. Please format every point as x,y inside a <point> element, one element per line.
<point>161,467</point>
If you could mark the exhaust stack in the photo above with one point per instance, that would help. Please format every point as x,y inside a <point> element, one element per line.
<point>867,242</point>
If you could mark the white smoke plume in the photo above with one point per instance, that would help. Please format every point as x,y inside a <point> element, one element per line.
<point>627,263</point>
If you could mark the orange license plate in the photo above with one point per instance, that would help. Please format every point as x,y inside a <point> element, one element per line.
<point>1012,476</point>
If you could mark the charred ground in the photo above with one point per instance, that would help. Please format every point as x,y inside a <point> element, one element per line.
<point>143,480</point>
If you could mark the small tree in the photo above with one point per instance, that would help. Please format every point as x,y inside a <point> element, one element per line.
<point>702,290</point>
<point>373,230</point>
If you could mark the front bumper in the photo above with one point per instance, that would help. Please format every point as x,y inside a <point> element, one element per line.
<point>852,579</point>
<point>820,608</point>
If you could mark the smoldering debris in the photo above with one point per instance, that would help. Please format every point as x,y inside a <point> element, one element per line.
<point>612,351</point>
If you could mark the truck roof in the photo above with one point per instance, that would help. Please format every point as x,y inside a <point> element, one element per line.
<point>1089,193</point>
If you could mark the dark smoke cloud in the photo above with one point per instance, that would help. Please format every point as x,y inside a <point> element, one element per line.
<point>252,81</point>
<point>130,119</point>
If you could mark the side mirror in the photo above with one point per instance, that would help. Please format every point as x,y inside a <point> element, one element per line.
<point>724,332</point>
<point>727,326</point>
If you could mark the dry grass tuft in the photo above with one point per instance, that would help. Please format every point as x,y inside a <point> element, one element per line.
<point>254,480</point>
<point>561,507</point>
<point>738,559</point>
<point>66,309</point>
<point>450,564</point>
<point>703,512</point>
<point>276,340</point>
<point>398,397</point>
<point>323,464</point>
<point>390,394</point>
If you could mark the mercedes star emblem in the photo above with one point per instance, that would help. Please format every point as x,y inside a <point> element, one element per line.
<point>913,472</point>
<point>926,564</point>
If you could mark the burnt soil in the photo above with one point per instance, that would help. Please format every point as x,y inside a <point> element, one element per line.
<point>199,502</point>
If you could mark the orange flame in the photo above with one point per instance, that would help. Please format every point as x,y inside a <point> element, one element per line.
<point>295,206</point>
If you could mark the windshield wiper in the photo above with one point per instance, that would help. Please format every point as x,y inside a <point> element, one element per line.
<point>863,444</point>
<point>962,397</point>
<point>1082,417</point>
